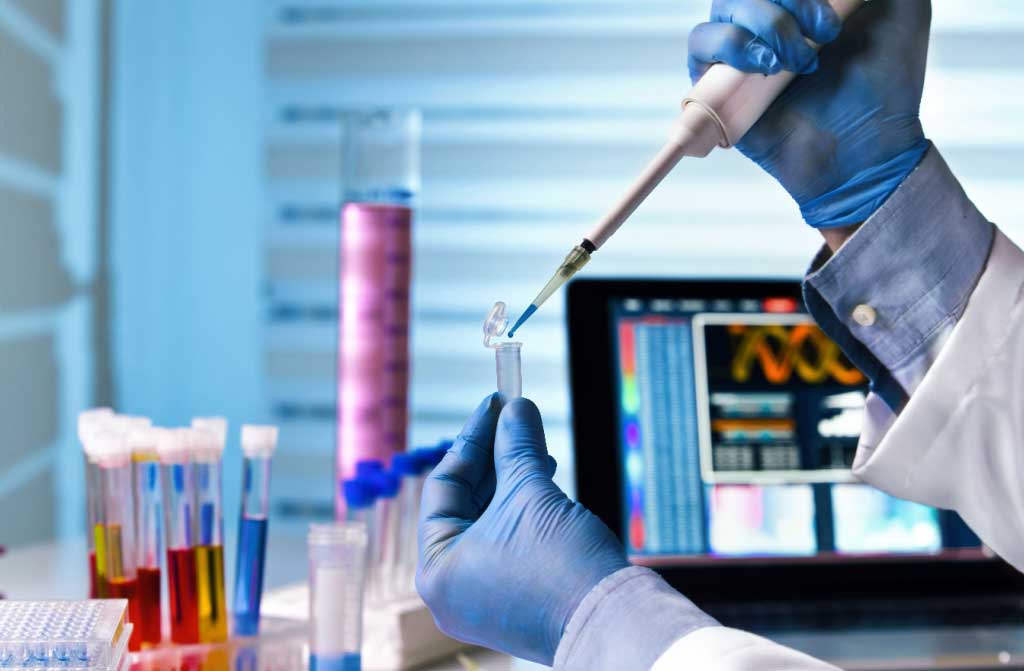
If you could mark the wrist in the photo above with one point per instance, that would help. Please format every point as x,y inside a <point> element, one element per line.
<point>627,621</point>
<point>864,193</point>
<point>836,237</point>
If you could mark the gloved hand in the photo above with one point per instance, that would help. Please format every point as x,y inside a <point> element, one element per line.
<point>842,137</point>
<point>504,556</point>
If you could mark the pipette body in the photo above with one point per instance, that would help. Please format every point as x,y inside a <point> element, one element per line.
<point>718,112</point>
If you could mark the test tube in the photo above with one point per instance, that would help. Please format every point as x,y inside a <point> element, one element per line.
<point>115,544</point>
<point>509,367</point>
<point>360,495</point>
<point>337,568</point>
<point>408,467</point>
<point>179,534</point>
<point>146,466</point>
<point>206,447</point>
<point>384,542</point>
<point>90,421</point>
<point>258,444</point>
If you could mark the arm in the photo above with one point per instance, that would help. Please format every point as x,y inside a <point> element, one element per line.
<point>508,561</point>
<point>916,286</point>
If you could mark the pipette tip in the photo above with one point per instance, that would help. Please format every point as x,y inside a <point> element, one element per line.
<point>522,318</point>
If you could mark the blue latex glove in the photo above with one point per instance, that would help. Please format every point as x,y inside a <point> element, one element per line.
<point>844,136</point>
<point>505,557</point>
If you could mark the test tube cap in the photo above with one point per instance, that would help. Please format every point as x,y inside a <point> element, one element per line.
<point>143,443</point>
<point>107,448</point>
<point>172,445</point>
<point>204,444</point>
<point>258,440</point>
<point>437,454</point>
<point>218,426</point>
<point>405,464</point>
<point>91,420</point>
<point>359,493</point>
<point>387,484</point>
<point>367,467</point>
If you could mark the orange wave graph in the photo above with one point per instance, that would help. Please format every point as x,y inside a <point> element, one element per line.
<point>781,351</point>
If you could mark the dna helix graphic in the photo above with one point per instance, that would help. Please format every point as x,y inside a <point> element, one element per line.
<point>780,351</point>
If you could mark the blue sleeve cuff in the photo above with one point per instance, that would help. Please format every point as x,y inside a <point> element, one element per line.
<point>903,276</point>
<point>626,622</point>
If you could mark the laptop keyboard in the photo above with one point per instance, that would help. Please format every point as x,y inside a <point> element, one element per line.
<point>871,614</point>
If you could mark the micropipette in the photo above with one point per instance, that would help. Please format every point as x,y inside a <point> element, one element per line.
<point>719,110</point>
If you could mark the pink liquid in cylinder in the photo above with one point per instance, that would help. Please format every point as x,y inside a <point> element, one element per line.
<point>373,335</point>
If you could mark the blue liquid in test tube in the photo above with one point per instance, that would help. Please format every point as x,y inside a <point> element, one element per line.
<point>258,444</point>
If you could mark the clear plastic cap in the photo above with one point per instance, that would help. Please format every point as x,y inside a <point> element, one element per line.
<point>172,445</point>
<point>495,323</point>
<point>218,426</point>
<point>338,534</point>
<point>143,442</point>
<point>258,440</point>
<point>126,424</point>
<point>107,448</point>
<point>92,420</point>
<point>204,444</point>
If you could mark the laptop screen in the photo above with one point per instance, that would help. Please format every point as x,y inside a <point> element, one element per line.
<point>738,421</point>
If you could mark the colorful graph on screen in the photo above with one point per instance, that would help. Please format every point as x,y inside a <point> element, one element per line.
<point>779,351</point>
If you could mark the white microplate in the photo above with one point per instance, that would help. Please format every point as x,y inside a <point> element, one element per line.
<point>89,635</point>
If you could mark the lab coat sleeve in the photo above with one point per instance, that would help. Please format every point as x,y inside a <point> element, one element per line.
<point>959,442</point>
<point>634,621</point>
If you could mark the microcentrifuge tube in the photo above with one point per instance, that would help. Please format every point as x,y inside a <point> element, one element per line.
<point>507,355</point>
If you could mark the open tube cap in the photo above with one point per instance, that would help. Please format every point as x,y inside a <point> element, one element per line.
<point>259,441</point>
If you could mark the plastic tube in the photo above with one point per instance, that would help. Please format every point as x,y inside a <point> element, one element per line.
<point>149,546</point>
<point>206,446</point>
<point>409,468</point>
<point>258,445</point>
<point>360,496</point>
<point>179,534</point>
<point>384,547</point>
<point>115,537</point>
<point>507,355</point>
<point>337,570</point>
<point>91,421</point>
<point>509,370</point>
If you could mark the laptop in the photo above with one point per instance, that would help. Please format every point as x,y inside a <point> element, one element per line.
<point>714,428</point>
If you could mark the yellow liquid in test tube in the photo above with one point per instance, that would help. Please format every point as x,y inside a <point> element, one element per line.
<point>109,558</point>
<point>213,615</point>
<point>99,542</point>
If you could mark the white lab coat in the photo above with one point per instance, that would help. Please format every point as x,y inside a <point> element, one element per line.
<point>958,444</point>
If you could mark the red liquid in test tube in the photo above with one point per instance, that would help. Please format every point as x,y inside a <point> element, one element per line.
<point>184,595</point>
